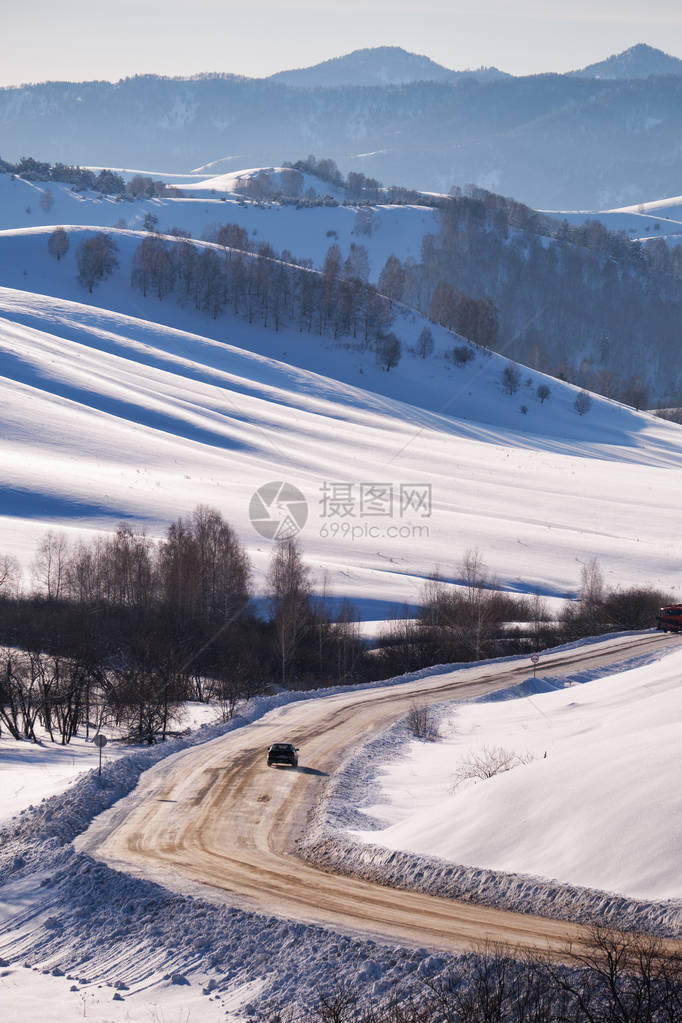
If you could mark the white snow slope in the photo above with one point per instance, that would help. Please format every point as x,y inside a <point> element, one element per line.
<point>306,232</point>
<point>106,415</point>
<point>599,805</point>
<point>31,772</point>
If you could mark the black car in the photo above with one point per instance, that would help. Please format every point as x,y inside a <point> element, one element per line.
<point>283,753</point>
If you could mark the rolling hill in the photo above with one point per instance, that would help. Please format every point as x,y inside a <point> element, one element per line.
<point>115,406</point>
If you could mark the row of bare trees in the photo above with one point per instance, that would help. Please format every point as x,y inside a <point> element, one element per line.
<point>36,687</point>
<point>476,618</point>
<point>263,287</point>
<point>125,629</point>
<point>199,569</point>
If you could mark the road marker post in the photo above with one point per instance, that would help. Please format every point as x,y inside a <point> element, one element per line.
<point>100,741</point>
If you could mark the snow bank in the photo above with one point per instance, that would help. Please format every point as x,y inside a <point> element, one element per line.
<point>624,797</point>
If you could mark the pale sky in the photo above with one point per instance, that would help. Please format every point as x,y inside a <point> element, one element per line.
<point>89,39</point>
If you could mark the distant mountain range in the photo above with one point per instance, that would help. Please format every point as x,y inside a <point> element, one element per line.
<point>382,65</point>
<point>592,139</point>
<point>639,61</point>
<point>391,65</point>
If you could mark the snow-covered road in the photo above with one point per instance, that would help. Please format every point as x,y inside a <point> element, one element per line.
<point>216,821</point>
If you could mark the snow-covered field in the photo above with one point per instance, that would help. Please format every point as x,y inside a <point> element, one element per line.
<point>31,995</point>
<point>307,233</point>
<point>592,799</point>
<point>107,413</point>
<point>31,772</point>
<point>113,406</point>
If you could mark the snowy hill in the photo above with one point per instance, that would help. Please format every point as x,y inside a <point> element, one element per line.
<point>595,803</point>
<point>307,232</point>
<point>640,61</point>
<point>235,182</point>
<point>644,221</point>
<point>109,414</point>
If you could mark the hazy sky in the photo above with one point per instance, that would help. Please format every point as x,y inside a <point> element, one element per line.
<point>85,39</point>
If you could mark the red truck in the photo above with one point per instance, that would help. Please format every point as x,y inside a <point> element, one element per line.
<point>669,619</point>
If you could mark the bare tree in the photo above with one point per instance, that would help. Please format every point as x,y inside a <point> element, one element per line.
<point>331,275</point>
<point>186,260</point>
<point>289,590</point>
<point>58,243</point>
<point>96,259</point>
<point>153,267</point>
<point>388,351</point>
<point>476,617</point>
<point>623,977</point>
<point>10,575</point>
<point>205,572</point>
<point>47,200</point>
<point>591,587</point>
<point>582,403</point>
<point>463,354</point>
<point>511,379</point>
<point>357,263</point>
<point>19,696</point>
<point>211,283</point>
<point>392,279</point>
<point>49,568</point>
<point>425,343</point>
<point>377,316</point>
<point>539,615</point>
<point>543,392</point>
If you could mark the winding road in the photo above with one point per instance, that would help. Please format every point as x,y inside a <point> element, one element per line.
<point>214,820</point>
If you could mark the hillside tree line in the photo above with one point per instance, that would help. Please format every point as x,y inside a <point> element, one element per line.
<point>264,286</point>
<point>107,182</point>
<point>124,629</point>
<point>581,303</point>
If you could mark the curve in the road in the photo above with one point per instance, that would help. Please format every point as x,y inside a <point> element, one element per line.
<point>216,819</point>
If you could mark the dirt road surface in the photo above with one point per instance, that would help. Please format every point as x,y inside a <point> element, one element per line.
<point>215,821</point>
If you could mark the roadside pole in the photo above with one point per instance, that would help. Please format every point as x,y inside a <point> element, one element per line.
<point>100,741</point>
